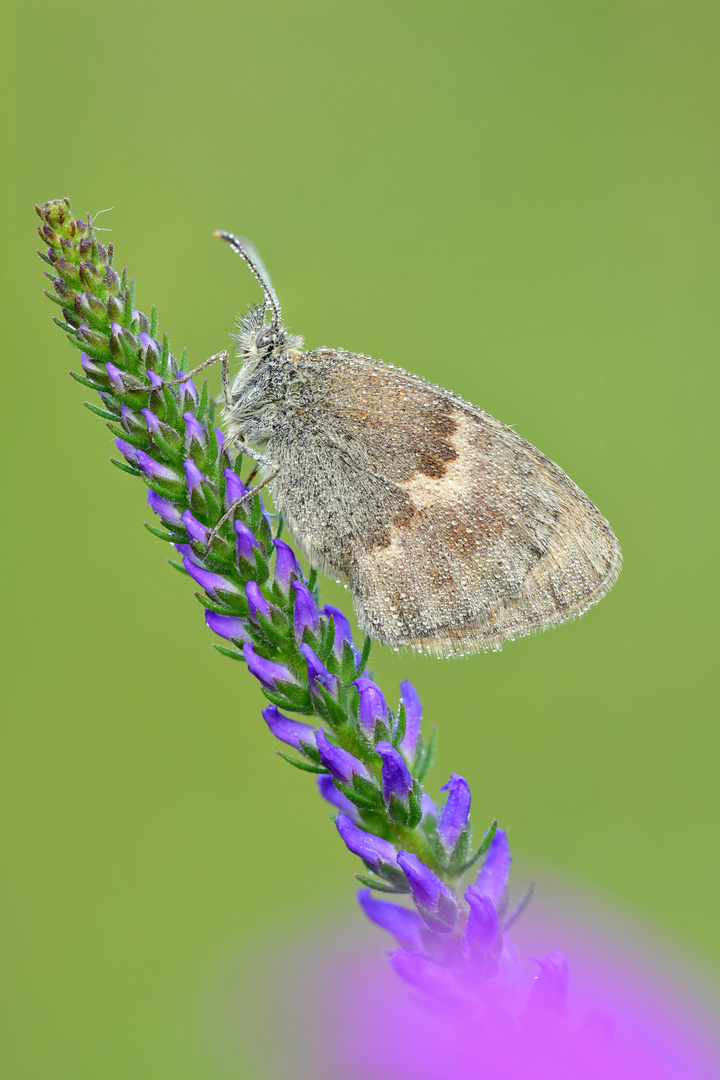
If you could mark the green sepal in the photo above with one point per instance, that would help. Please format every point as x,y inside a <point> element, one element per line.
<point>124,467</point>
<point>368,792</point>
<point>428,757</point>
<point>295,698</point>
<point>275,633</point>
<point>280,523</point>
<point>182,362</point>
<point>457,861</point>
<point>70,330</point>
<point>400,728</point>
<point>335,712</point>
<point>355,798</point>
<point>135,438</point>
<point>102,413</point>
<point>393,874</point>
<point>347,664</point>
<point>305,766</point>
<point>415,808</point>
<point>327,639</point>
<point>364,655</point>
<point>398,811</point>
<point>165,536</point>
<point>178,566</point>
<point>378,884</point>
<point>232,654</point>
<point>153,321</point>
<point>202,400</point>
<point>89,383</point>
<point>487,841</point>
<point>310,750</point>
<point>219,609</point>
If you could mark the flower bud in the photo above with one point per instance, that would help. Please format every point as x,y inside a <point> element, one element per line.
<point>404,924</point>
<point>257,602</point>
<point>195,442</point>
<point>319,676</point>
<point>229,627</point>
<point>286,730</point>
<point>372,849</point>
<point>397,783</point>
<point>286,566</point>
<point>343,633</point>
<point>215,585</point>
<point>328,791</point>
<point>305,613</point>
<point>341,764</point>
<point>245,545</point>
<point>435,902</point>
<point>453,819</point>
<point>165,509</point>
<point>269,674</point>
<point>413,715</point>
<point>195,529</point>
<point>483,940</point>
<point>372,710</point>
<point>495,870</point>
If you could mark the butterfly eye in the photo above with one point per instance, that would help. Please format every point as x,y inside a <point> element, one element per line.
<point>265,338</point>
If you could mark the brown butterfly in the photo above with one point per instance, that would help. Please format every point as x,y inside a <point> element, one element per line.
<point>452,532</point>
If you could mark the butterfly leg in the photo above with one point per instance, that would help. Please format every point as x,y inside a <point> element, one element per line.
<point>239,502</point>
<point>222,356</point>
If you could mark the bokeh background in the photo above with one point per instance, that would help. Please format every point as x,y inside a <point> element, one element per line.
<point>515,199</point>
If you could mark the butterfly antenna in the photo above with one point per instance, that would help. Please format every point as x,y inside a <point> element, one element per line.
<point>256,266</point>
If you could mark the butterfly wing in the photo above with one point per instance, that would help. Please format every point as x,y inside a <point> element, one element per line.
<point>453,532</point>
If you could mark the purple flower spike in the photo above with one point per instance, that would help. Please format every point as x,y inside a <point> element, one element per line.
<point>194,529</point>
<point>372,710</point>
<point>413,715</point>
<point>340,763</point>
<point>269,674</point>
<point>226,626</point>
<point>435,979</point>
<point>128,451</point>
<point>326,788</point>
<point>454,817</point>
<point>305,614</point>
<point>494,873</point>
<point>286,567</point>
<point>396,779</point>
<point>234,488</point>
<point>372,849</point>
<point>164,508</point>
<point>435,902</point>
<point>483,940</point>
<point>245,543</point>
<point>318,675</point>
<point>195,435</point>
<point>213,584</point>
<point>406,925</point>
<point>154,470</point>
<point>286,730</point>
<point>256,600</point>
<point>343,633</point>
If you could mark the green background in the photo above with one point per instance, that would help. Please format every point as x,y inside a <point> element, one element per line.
<point>515,199</point>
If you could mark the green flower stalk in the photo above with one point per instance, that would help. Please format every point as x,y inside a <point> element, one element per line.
<point>369,759</point>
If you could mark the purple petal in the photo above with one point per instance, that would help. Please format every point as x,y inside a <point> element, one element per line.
<point>210,582</point>
<point>153,424</point>
<point>226,626</point>
<point>148,344</point>
<point>326,788</point>
<point>286,730</point>
<point>318,674</point>
<point>400,921</point>
<point>164,508</point>
<point>194,431</point>
<point>494,873</point>
<point>371,848</point>
<point>454,816</point>
<point>286,567</point>
<point>396,779</point>
<point>116,377</point>
<point>267,672</point>
<point>245,542</point>
<point>343,632</point>
<point>305,613</point>
<point>483,940</point>
<point>195,479</point>
<point>256,600</point>
<point>129,452</point>
<point>435,902</point>
<point>340,763</point>
<point>435,979</point>
<point>549,991</point>
<point>372,709</point>
<point>154,470</point>
<point>234,488</point>
<point>194,529</point>
<point>413,715</point>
